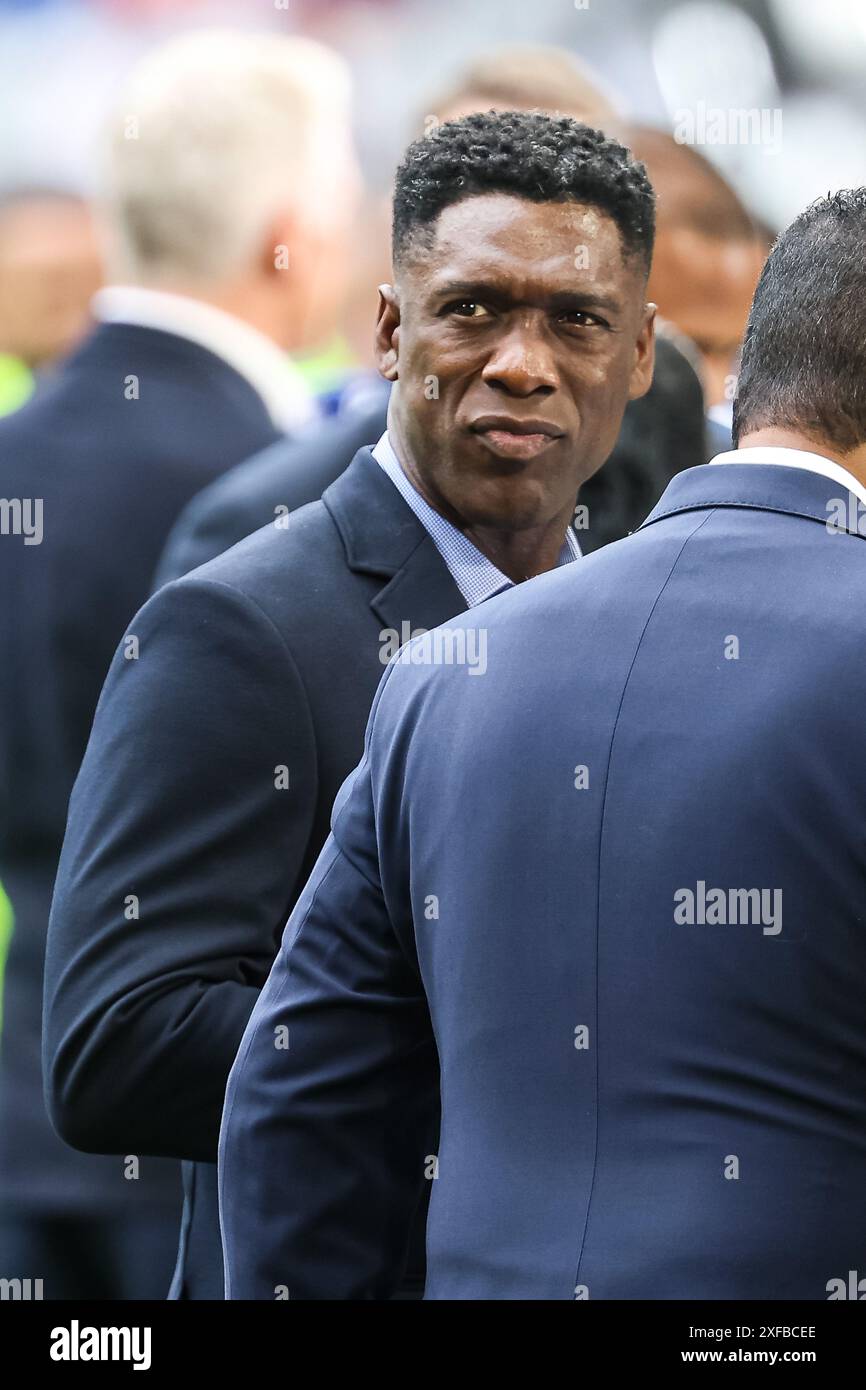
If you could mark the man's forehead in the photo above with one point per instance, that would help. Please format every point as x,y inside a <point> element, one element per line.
<point>502,218</point>
<point>498,233</point>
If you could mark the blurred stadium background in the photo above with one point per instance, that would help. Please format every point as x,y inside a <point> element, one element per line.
<point>61,62</point>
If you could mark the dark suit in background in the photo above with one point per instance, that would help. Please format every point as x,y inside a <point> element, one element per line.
<point>662,433</point>
<point>635,1105</point>
<point>114,461</point>
<point>288,475</point>
<point>206,790</point>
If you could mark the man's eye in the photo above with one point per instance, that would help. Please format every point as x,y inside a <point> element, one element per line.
<point>581,319</point>
<point>466,309</point>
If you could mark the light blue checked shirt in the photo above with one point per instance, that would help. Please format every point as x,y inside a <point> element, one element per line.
<point>476,577</point>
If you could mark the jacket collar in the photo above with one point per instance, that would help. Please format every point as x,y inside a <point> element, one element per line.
<point>128,347</point>
<point>382,536</point>
<point>768,488</point>
<point>267,368</point>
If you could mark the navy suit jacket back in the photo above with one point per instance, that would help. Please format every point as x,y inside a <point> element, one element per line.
<point>609,897</point>
<point>113,447</point>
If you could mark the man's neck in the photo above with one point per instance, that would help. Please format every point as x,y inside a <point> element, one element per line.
<point>518,554</point>
<point>521,554</point>
<point>243,301</point>
<point>778,438</point>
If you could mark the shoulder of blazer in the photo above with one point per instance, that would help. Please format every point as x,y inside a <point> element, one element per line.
<point>761,487</point>
<point>292,472</point>
<point>125,350</point>
<point>361,526</point>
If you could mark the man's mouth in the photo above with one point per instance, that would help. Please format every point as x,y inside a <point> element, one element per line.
<point>512,438</point>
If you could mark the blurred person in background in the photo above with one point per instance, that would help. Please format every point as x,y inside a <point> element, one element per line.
<point>709,255</point>
<point>524,77</point>
<point>662,433</point>
<point>227,186</point>
<point>50,269</point>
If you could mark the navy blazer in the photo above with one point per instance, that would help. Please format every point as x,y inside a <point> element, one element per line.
<point>114,444</point>
<point>609,898</point>
<point>206,793</point>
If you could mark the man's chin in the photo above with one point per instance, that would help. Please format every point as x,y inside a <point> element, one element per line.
<point>508,515</point>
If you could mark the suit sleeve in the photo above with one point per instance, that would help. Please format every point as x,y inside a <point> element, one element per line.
<point>332,1104</point>
<point>187,831</point>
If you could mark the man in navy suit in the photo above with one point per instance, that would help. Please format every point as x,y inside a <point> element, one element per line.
<point>185,375</point>
<point>606,899</point>
<point>208,783</point>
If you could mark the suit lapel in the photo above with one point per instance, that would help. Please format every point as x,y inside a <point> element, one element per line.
<point>422,592</point>
<point>382,536</point>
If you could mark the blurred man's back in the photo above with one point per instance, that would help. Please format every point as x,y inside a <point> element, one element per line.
<point>647,964</point>
<point>185,375</point>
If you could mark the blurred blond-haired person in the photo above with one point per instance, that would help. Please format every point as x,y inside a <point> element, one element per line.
<point>227,189</point>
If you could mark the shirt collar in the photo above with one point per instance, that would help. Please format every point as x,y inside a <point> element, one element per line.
<point>475,575</point>
<point>797,458</point>
<point>254,356</point>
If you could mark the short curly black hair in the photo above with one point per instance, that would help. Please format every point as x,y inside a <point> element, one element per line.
<point>530,155</point>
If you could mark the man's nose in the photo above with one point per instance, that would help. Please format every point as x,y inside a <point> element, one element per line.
<point>522,362</point>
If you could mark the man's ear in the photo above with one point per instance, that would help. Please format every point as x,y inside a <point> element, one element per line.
<point>644,356</point>
<point>387,340</point>
<point>283,248</point>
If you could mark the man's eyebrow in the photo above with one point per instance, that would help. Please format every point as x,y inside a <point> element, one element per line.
<point>561,301</point>
<point>565,300</point>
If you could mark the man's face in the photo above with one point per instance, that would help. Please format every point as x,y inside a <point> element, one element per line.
<point>515,340</point>
<point>50,268</point>
<point>705,287</point>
